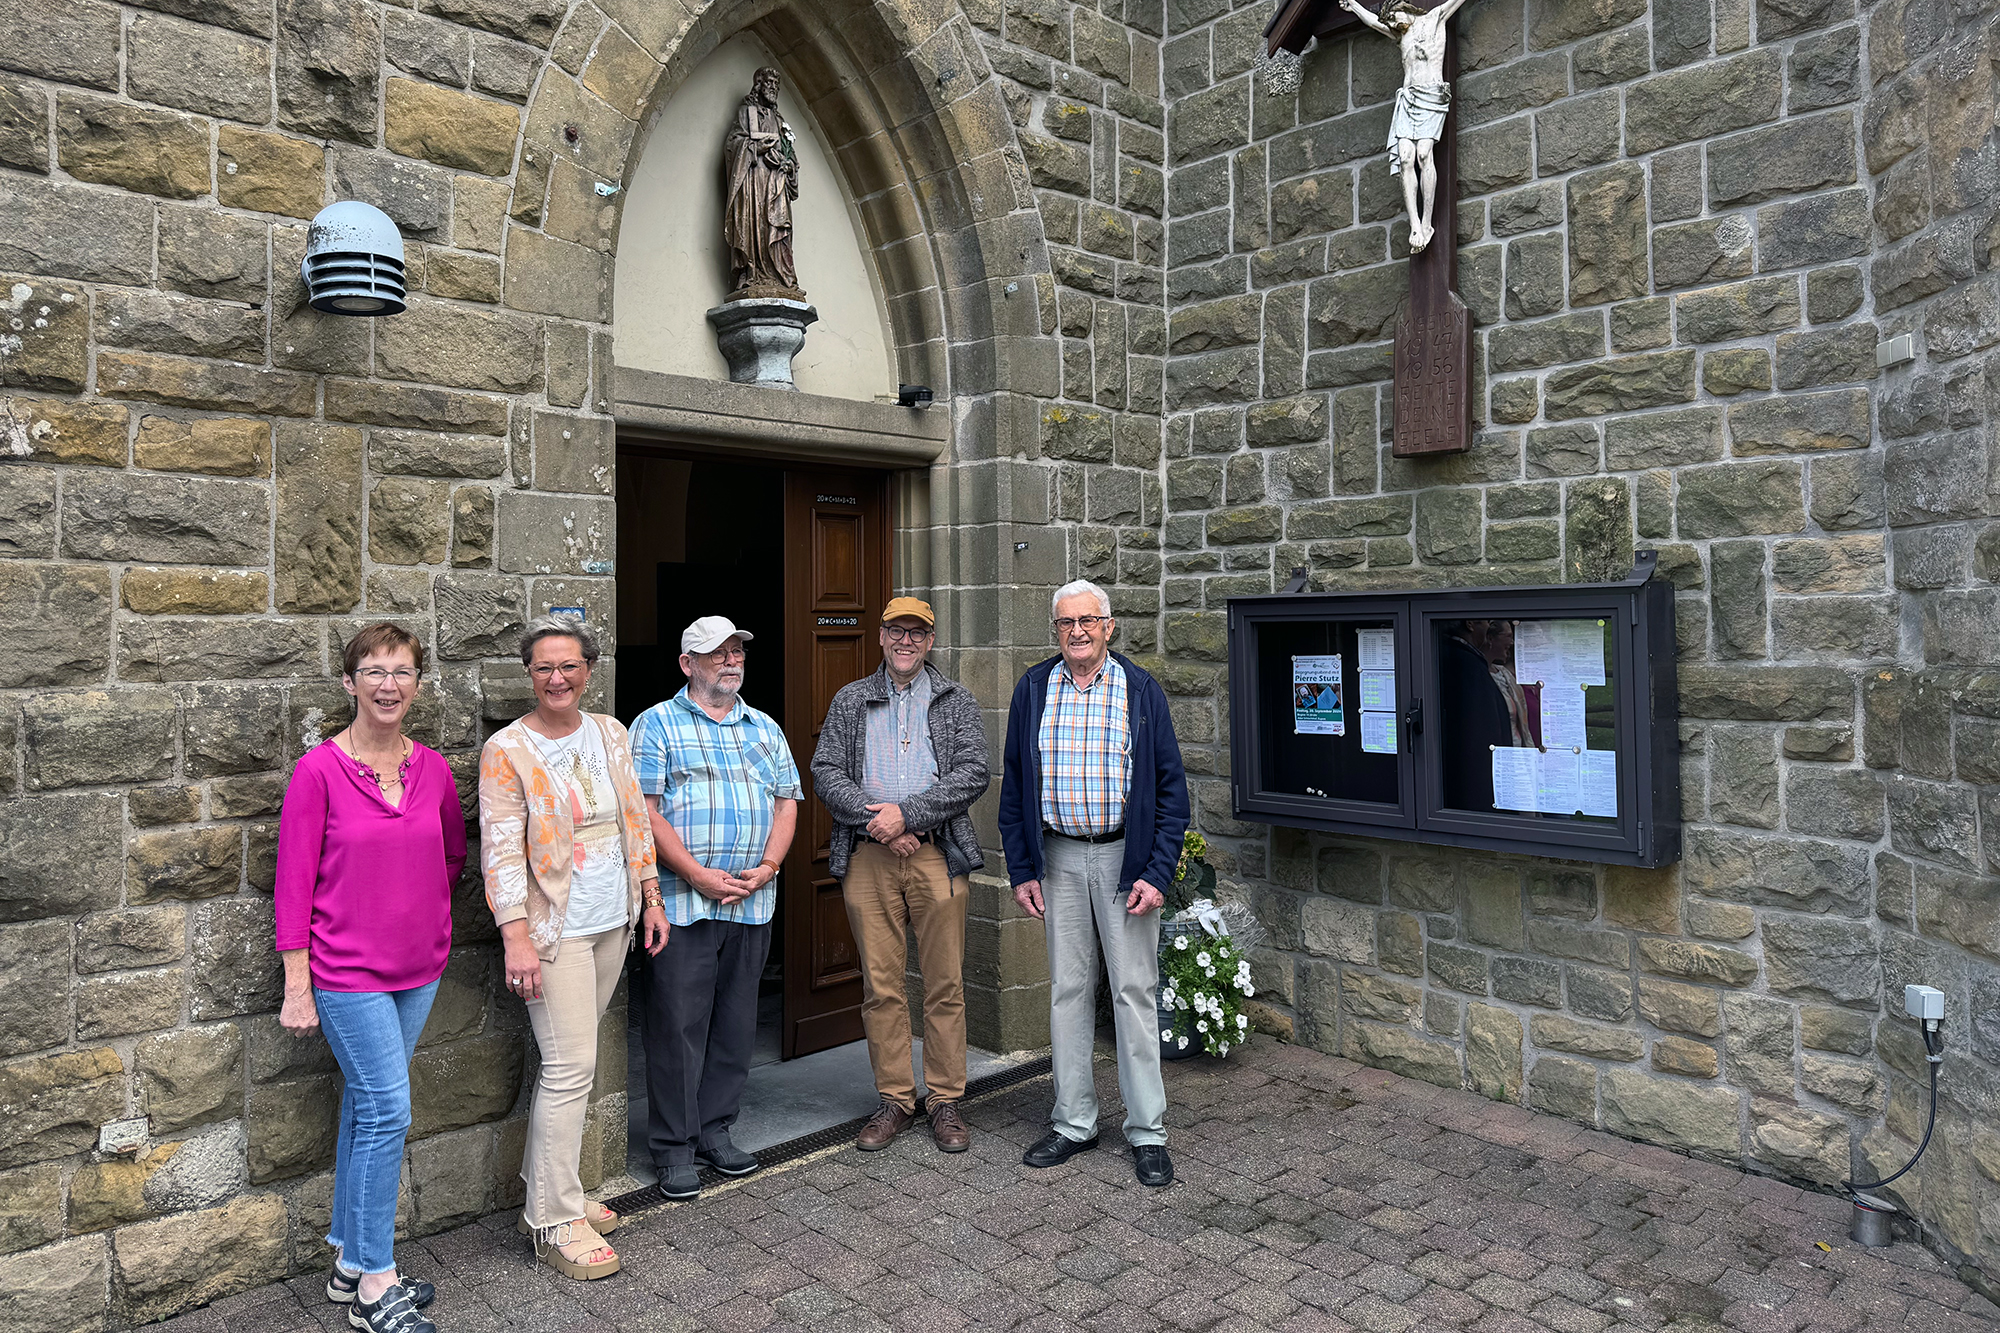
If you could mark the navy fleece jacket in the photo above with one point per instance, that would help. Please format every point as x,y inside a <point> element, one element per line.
<point>1156,809</point>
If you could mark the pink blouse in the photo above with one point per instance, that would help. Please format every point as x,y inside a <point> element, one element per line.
<point>363,885</point>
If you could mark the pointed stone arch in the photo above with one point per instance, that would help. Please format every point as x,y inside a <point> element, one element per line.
<point>922,139</point>
<point>916,125</point>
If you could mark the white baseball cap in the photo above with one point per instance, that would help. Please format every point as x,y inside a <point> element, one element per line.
<point>710,633</point>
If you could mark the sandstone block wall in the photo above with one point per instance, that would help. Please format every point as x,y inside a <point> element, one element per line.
<point>1155,295</point>
<point>1684,227</point>
<point>206,487</point>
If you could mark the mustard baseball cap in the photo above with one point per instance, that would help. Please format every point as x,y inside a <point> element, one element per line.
<point>915,607</point>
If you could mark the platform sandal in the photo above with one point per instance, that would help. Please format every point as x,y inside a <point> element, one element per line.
<point>603,1221</point>
<point>548,1248</point>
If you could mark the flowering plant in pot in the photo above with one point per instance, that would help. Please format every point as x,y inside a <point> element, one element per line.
<point>1203,978</point>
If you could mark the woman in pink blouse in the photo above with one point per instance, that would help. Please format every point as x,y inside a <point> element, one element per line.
<point>371,840</point>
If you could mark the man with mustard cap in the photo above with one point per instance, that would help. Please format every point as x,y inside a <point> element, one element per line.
<point>724,796</point>
<point>901,758</point>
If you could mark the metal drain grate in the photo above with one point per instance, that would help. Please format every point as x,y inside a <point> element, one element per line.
<point>805,1145</point>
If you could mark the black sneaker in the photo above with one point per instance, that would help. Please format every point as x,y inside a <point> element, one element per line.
<point>680,1182</point>
<point>395,1312</point>
<point>727,1158</point>
<point>342,1287</point>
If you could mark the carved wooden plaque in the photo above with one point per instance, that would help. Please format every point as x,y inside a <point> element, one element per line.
<point>1433,376</point>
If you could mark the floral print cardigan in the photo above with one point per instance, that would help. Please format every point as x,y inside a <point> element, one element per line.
<point>525,831</point>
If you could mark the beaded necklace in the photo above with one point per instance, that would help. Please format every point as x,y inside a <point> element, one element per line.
<point>366,771</point>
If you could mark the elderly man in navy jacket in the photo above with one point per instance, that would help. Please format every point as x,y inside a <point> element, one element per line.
<point>1093,804</point>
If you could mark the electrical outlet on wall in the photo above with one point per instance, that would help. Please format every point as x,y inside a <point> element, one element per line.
<point>1924,1003</point>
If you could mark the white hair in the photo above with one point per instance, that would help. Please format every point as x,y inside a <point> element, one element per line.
<point>1080,588</point>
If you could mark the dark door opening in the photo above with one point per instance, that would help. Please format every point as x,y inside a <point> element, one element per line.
<point>800,558</point>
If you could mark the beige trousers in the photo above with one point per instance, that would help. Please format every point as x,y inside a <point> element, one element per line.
<point>886,896</point>
<point>576,990</point>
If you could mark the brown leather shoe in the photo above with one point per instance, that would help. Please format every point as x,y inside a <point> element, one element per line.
<point>888,1121</point>
<point>948,1127</point>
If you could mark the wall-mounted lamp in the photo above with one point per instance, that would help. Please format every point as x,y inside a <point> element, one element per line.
<point>913,395</point>
<point>354,261</point>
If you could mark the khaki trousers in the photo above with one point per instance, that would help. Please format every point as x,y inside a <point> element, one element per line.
<point>886,896</point>
<point>1085,912</point>
<point>576,990</point>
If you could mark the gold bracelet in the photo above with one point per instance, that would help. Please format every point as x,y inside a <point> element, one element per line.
<point>652,898</point>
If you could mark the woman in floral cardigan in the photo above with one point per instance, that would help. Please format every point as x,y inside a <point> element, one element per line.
<point>567,851</point>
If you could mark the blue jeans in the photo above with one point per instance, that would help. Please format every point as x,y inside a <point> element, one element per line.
<point>373,1035</point>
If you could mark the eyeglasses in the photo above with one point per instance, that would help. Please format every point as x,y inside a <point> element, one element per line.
<point>899,634</point>
<point>1064,624</point>
<point>376,675</point>
<point>543,670</point>
<point>735,654</point>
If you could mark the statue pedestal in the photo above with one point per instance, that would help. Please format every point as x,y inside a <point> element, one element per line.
<point>759,336</point>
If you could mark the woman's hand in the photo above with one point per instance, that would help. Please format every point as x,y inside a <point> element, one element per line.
<point>653,929</point>
<point>524,968</point>
<point>299,1015</point>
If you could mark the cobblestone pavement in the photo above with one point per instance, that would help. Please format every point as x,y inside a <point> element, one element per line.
<point>1314,1194</point>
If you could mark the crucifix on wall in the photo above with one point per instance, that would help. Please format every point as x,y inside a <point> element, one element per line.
<point>1433,347</point>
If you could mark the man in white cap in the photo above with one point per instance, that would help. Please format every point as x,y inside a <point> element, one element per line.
<point>724,795</point>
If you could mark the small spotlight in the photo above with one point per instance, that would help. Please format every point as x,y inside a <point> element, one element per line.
<point>913,395</point>
<point>354,261</point>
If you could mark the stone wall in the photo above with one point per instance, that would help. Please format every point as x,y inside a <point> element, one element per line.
<point>205,487</point>
<point>1684,227</point>
<point>1154,297</point>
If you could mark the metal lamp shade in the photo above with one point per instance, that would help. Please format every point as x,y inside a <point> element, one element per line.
<point>354,261</point>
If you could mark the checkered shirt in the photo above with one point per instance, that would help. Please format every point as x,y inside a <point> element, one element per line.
<point>1086,742</point>
<point>718,784</point>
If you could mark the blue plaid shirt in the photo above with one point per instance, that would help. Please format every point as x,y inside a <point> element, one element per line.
<point>718,784</point>
<point>1086,741</point>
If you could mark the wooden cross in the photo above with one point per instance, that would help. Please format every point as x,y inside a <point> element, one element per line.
<point>1433,352</point>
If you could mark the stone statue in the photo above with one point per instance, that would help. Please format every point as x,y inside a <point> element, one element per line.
<point>1421,103</point>
<point>763,165</point>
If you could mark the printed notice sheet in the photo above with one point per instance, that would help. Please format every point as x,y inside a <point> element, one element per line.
<point>1562,716</point>
<point>1376,648</point>
<point>1378,691</point>
<point>1597,783</point>
<point>1318,706</point>
<point>1515,772</point>
<point>1378,733</point>
<point>1555,781</point>
<point>1557,651</point>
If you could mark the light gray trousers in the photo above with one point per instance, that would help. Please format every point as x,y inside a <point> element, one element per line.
<point>1084,910</point>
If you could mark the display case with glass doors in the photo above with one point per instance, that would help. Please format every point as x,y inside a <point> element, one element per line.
<point>1537,719</point>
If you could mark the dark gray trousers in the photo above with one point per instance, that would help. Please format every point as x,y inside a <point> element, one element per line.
<point>700,1027</point>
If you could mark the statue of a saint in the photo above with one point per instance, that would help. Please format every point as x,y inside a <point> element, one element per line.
<point>1421,103</point>
<point>763,167</point>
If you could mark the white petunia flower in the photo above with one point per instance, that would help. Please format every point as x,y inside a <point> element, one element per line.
<point>1208,972</point>
<point>1242,1021</point>
<point>1166,1035</point>
<point>1203,960</point>
<point>1180,941</point>
<point>1201,1026</point>
<point>1183,1043</point>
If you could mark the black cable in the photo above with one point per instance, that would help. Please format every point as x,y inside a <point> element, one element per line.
<point>1929,1125</point>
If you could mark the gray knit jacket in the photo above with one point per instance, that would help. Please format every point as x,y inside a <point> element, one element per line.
<point>958,737</point>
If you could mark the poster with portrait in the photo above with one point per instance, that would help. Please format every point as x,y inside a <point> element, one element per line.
<point>1318,696</point>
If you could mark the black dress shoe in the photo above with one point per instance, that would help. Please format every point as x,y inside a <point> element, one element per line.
<point>1152,1165</point>
<point>1054,1148</point>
